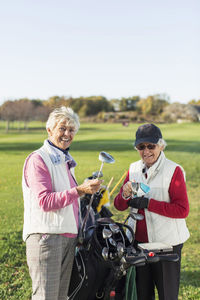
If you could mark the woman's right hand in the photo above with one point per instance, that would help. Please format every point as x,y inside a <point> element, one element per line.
<point>89,187</point>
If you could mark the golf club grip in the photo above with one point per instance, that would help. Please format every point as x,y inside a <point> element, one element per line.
<point>162,257</point>
<point>135,260</point>
<point>169,257</point>
<point>87,213</point>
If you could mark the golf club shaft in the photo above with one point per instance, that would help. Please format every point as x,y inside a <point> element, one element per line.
<point>100,170</point>
<point>118,183</point>
<point>110,182</point>
<point>88,210</point>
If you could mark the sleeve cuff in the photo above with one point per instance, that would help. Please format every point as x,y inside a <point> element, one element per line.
<point>74,192</point>
<point>72,195</point>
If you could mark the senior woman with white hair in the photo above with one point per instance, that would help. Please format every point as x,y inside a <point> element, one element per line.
<point>51,207</point>
<point>164,208</point>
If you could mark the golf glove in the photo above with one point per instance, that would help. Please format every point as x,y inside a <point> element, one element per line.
<point>138,202</point>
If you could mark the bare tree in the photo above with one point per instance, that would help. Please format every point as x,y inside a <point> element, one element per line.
<point>25,111</point>
<point>8,112</point>
<point>42,113</point>
<point>178,111</point>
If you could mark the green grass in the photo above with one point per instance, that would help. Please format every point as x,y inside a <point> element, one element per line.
<point>183,147</point>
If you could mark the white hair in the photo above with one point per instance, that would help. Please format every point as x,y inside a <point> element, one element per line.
<point>61,114</point>
<point>162,143</point>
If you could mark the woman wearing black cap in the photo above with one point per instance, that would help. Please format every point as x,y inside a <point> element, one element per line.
<point>165,208</point>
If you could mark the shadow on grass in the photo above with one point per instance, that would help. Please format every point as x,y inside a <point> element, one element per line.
<point>87,145</point>
<point>106,145</point>
<point>23,132</point>
<point>183,146</point>
<point>12,147</point>
<point>38,130</point>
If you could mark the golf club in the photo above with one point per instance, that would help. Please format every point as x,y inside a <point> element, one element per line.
<point>104,157</point>
<point>105,253</point>
<point>112,242</point>
<point>97,174</point>
<point>106,233</point>
<point>136,216</point>
<point>114,228</point>
<point>120,249</point>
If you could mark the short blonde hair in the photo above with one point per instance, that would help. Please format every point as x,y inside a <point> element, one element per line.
<point>62,114</point>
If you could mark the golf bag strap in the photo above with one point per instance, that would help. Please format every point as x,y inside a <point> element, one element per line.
<point>80,266</point>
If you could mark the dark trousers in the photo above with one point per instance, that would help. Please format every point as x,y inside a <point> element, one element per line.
<point>164,275</point>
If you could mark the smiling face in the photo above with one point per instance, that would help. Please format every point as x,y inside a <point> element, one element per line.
<point>149,156</point>
<point>62,134</point>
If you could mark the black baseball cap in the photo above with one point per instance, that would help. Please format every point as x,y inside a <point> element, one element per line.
<point>148,133</point>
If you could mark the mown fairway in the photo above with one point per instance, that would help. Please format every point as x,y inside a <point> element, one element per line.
<point>183,147</point>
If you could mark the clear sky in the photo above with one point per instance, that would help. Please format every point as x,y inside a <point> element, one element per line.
<point>113,48</point>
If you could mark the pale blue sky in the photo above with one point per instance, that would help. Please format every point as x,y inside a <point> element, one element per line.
<point>112,48</point>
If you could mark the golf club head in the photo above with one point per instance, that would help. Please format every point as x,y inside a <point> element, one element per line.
<point>135,187</point>
<point>112,242</point>
<point>111,256</point>
<point>106,157</point>
<point>123,260</point>
<point>120,249</point>
<point>106,233</point>
<point>114,228</point>
<point>136,216</point>
<point>104,253</point>
<point>97,174</point>
<point>139,189</point>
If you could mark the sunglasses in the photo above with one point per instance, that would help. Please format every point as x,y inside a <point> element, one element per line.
<point>149,146</point>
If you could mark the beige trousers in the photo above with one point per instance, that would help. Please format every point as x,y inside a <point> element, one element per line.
<point>50,259</point>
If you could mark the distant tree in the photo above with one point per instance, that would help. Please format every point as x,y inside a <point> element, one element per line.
<point>75,103</point>
<point>55,101</point>
<point>83,112</point>
<point>89,106</point>
<point>25,111</point>
<point>115,103</point>
<point>152,105</point>
<point>97,104</point>
<point>179,111</point>
<point>41,112</point>
<point>129,104</point>
<point>162,96</point>
<point>194,102</point>
<point>8,112</point>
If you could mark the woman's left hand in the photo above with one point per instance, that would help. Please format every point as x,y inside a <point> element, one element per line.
<point>139,202</point>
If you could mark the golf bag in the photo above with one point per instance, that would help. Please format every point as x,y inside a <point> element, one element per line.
<point>104,254</point>
<point>97,266</point>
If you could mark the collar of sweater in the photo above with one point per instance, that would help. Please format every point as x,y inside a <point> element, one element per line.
<point>65,151</point>
<point>58,155</point>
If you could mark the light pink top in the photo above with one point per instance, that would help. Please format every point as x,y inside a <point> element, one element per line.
<point>38,178</point>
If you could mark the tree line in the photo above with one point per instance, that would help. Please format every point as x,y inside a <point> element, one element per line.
<point>131,108</point>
